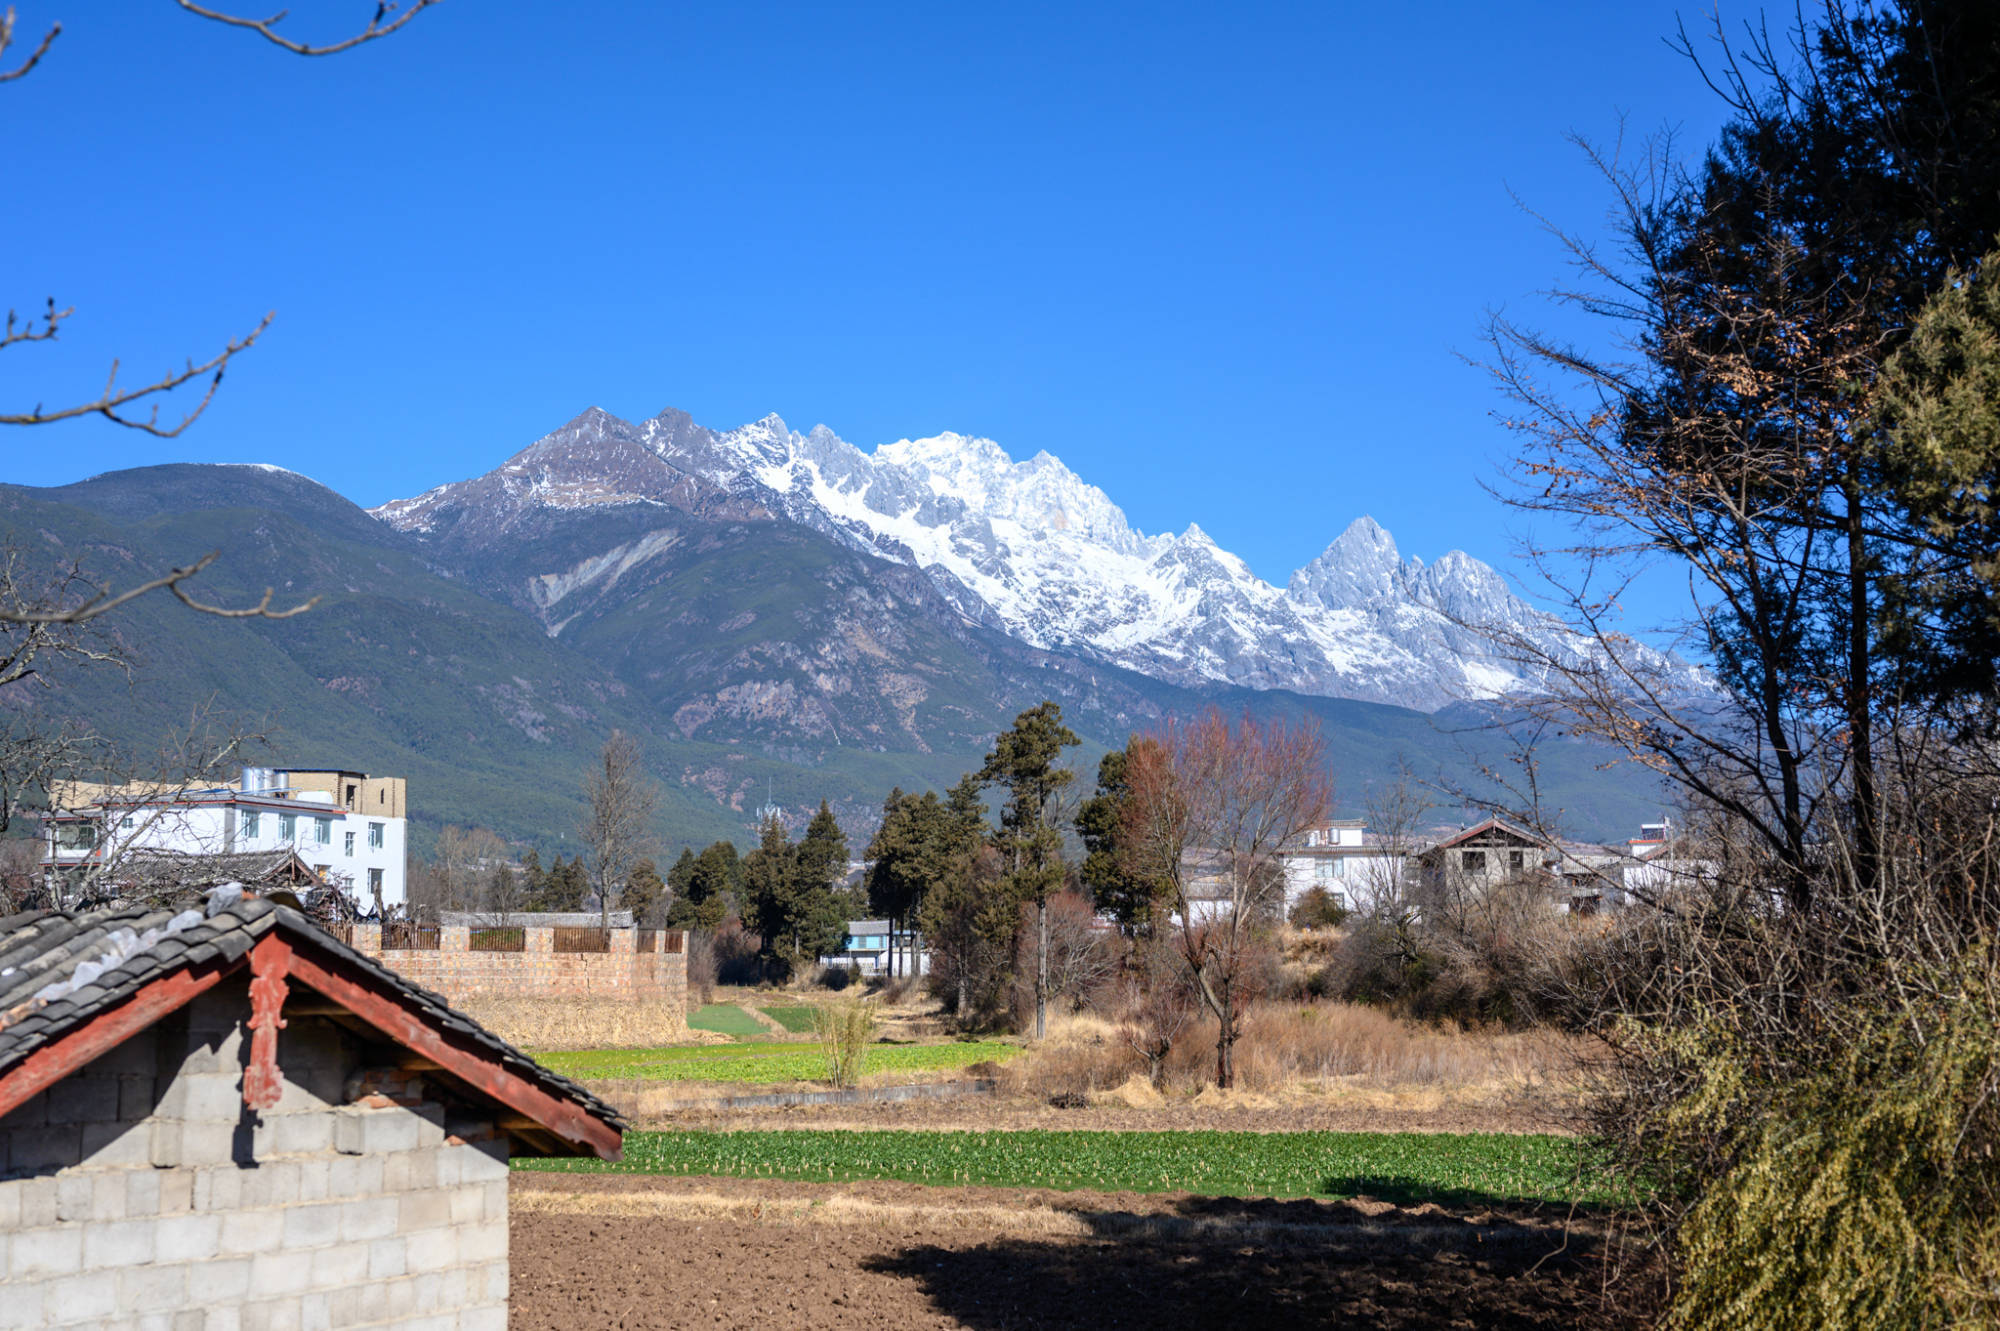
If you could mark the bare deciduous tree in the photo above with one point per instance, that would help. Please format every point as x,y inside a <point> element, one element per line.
<point>1210,809</point>
<point>618,827</point>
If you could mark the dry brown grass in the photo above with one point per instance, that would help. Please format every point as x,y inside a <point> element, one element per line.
<point>1309,1049</point>
<point>586,1023</point>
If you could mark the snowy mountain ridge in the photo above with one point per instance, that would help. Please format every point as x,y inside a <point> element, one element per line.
<point>1032,549</point>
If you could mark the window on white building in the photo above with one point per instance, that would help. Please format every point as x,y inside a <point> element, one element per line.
<point>126,822</point>
<point>1515,861</point>
<point>1474,861</point>
<point>347,843</point>
<point>374,836</point>
<point>76,836</point>
<point>250,820</point>
<point>1325,867</point>
<point>288,826</point>
<point>323,831</point>
<point>374,882</point>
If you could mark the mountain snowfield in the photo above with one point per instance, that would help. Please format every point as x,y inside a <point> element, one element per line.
<point>1033,550</point>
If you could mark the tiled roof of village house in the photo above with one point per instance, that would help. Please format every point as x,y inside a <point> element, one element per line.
<point>58,970</point>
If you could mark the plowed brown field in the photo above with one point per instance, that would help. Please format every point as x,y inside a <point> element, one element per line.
<point>641,1252</point>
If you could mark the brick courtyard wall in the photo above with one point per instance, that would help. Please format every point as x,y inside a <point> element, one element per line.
<point>539,971</point>
<point>140,1192</point>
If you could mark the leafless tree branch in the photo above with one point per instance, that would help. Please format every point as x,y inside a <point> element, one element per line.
<point>381,25</point>
<point>34,57</point>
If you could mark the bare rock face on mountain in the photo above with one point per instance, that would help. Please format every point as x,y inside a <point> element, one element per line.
<point>1028,548</point>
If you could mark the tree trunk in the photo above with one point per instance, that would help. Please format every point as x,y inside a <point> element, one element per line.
<point>1041,967</point>
<point>1225,1044</point>
<point>1860,699</point>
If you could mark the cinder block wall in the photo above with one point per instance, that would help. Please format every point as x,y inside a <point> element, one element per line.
<point>139,1192</point>
<point>539,971</point>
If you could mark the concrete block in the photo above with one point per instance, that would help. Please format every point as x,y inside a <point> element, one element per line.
<point>56,1146</point>
<point>427,1292</point>
<point>423,1210</point>
<point>432,1249</point>
<point>313,1175</point>
<point>275,1315</point>
<point>135,1098</point>
<point>218,1188</point>
<point>118,1243</point>
<point>224,1281</point>
<point>314,1315</point>
<point>22,1306</point>
<point>42,1253</point>
<point>142,1191</point>
<point>421,1171</point>
<point>492,1317</point>
<point>80,1299</point>
<point>223,1317</point>
<point>354,1176</point>
<point>278,1275</point>
<point>496,1199</point>
<point>152,1287</point>
<point>108,1195</point>
<point>176,1192</point>
<point>189,1319</point>
<point>245,1233</point>
<point>369,1218</point>
<point>206,1097</point>
<point>10,1206</point>
<point>187,1238</point>
<point>272,1183</point>
<point>38,1202</point>
<point>208,1143</point>
<point>386,1259</point>
<point>374,1302</point>
<point>468,1205</point>
<point>84,1099</point>
<point>117,1145</point>
<point>375,1131</point>
<point>294,1134</point>
<point>341,1264</point>
<point>343,1307</point>
<point>312,1226</point>
<point>75,1194</point>
<point>164,1142</point>
<point>485,1242</point>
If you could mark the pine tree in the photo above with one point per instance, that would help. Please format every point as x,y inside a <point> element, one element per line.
<point>1023,762</point>
<point>644,893</point>
<point>1134,902</point>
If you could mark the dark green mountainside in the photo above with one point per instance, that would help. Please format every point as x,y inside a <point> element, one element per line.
<point>745,653</point>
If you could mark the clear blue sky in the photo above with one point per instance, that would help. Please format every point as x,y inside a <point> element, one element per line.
<point>1220,259</point>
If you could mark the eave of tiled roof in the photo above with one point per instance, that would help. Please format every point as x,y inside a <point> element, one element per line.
<point>46,948</point>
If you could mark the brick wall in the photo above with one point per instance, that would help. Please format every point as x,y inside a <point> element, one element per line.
<point>539,971</point>
<point>140,1192</point>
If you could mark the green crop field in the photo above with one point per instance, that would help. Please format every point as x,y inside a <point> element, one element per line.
<point>797,1020</point>
<point>726,1019</point>
<point>764,1063</point>
<point>1399,1167</point>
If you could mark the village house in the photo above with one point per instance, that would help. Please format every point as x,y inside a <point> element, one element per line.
<point>348,826</point>
<point>1344,860</point>
<point>223,1117</point>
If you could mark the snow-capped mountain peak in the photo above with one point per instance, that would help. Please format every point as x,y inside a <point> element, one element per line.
<point>1033,549</point>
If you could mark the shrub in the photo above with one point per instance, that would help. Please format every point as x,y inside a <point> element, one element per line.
<point>1864,1193</point>
<point>844,1030</point>
<point>1319,909</point>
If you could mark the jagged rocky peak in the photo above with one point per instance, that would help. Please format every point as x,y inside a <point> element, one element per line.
<point>1358,568</point>
<point>1036,551</point>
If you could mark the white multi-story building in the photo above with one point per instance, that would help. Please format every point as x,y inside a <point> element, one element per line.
<point>348,826</point>
<point>1341,858</point>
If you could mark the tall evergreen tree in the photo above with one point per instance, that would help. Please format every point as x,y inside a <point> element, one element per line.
<point>1107,870</point>
<point>1023,763</point>
<point>788,892</point>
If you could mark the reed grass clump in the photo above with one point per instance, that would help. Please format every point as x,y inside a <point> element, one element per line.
<point>844,1030</point>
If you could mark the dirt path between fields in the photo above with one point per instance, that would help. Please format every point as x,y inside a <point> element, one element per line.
<point>648,1253</point>
<point>1386,1113</point>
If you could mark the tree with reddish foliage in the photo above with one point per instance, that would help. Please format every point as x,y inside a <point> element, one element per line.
<point>1211,804</point>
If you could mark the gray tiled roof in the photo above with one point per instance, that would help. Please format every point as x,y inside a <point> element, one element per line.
<point>50,981</point>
